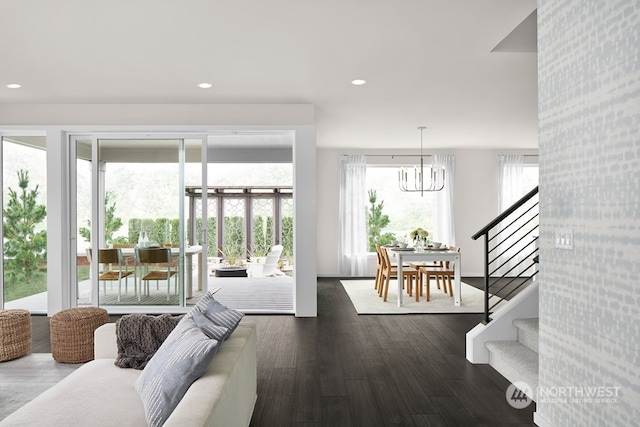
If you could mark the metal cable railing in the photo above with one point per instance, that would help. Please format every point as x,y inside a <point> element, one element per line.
<point>510,251</point>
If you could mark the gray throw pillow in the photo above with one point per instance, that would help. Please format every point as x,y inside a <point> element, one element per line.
<point>223,316</point>
<point>183,357</point>
<point>201,305</point>
<point>210,329</point>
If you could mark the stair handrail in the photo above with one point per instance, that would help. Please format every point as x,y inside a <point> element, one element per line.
<point>485,232</point>
<point>524,199</point>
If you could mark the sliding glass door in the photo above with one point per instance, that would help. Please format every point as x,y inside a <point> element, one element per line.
<point>130,197</point>
<point>215,201</point>
<point>249,198</point>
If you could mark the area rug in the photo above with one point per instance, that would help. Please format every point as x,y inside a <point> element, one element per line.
<point>365,299</point>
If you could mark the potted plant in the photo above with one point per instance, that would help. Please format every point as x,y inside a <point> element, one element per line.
<point>258,255</point>
<point>229,254</point>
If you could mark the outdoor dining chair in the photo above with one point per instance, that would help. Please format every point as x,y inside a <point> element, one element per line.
<point>113,268</point>
<point>155,264</point>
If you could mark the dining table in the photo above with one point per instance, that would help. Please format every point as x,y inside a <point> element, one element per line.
<point>189,252</point>
<point>402,255</point>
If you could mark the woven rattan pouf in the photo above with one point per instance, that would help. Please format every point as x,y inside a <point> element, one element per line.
<point>15,333</point>
<point>72,333</point>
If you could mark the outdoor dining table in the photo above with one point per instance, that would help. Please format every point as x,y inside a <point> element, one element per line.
<point>410,254</point>
<point>189,251</point>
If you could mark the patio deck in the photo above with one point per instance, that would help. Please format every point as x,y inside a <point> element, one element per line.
<point>250,295</point>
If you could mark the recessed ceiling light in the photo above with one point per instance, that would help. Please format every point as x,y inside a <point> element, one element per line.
<point>14,86</point>
<point>358,82</point>
<point>205,85</point>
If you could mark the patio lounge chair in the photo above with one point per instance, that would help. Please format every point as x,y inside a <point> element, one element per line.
<point>270,266</point>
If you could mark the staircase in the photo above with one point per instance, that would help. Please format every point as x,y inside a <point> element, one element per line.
<point>511,244</point>
<point>507,339</point>
<point>517,360</point>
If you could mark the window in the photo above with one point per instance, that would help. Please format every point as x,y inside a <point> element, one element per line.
<point>406,211</point>
<point>529,177</point>
<point>24,187</point>
<point>516,179</point>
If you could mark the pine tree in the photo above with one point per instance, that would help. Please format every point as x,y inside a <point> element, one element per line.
<point>111,222</point>
<point>377,221</point>
<point>25,248</point>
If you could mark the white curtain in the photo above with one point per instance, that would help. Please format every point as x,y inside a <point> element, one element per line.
<point>444,229</point>
<point>353,216</point>
<point>511,181</point>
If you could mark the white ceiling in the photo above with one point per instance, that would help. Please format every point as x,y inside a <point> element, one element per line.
<point>426,62</point>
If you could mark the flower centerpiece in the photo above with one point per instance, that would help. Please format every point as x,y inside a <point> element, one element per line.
<point>417,235</point>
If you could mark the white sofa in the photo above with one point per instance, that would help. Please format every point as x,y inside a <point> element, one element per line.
<point>101,394</point>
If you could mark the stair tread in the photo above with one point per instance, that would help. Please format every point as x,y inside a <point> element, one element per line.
<point>519,354</point>
<point>516,362</point>
<point>527,332</point>
<point>527,324</point>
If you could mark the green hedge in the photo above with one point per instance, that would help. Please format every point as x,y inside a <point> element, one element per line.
<point>162,229</point>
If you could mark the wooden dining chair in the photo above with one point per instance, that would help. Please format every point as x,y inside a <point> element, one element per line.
<point>155,264</point>
<point>112,269</point>
<point>426,265</point>
<point>376,284</point>
<point>378,278</point>
<point>444,272</point>
<point>409,276</point>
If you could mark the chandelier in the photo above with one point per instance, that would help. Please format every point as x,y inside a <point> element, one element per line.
<point>432,181</point>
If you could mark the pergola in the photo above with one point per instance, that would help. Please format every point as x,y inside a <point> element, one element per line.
<point>237,192</point>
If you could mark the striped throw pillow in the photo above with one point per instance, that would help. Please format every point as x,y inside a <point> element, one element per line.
<point>181,359</point>
<point>223,316</point>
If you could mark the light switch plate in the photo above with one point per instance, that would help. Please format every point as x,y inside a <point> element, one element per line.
<point>564,238</point>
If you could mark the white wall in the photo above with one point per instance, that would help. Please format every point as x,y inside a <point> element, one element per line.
<point>98,115</point>
<point>475,202</point>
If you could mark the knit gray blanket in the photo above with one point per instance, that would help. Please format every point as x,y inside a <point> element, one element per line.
<point>139,336</point>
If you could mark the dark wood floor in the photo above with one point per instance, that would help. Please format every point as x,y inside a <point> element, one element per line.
<point>345,369</point>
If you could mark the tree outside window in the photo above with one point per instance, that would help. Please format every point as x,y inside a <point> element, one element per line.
<point>405,211</point>
<point>377,221</point>
<point>24,246</point>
